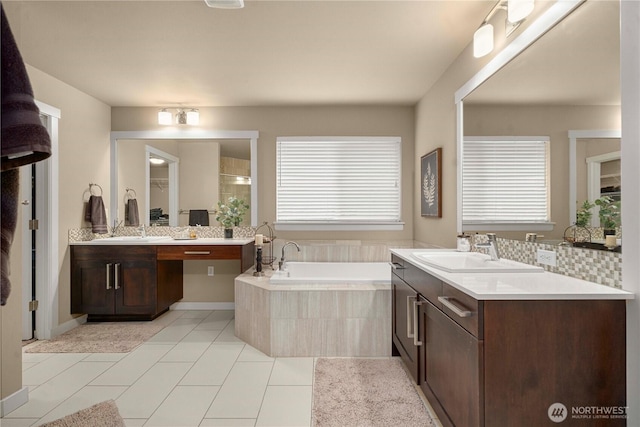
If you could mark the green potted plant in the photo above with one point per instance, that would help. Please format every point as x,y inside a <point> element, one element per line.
<point>609,214</point>
<point>230,215</point>
<point>583,216</point>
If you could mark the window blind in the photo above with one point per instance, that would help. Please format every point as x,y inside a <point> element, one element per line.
<point>338,180</point>
<point>505,180</point>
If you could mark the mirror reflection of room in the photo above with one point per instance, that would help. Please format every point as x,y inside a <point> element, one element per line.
<point>554,86</point>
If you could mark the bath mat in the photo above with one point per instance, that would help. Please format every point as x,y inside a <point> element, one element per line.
<point>115,337</point>
<point>366,392</point>
<point>103,414</point>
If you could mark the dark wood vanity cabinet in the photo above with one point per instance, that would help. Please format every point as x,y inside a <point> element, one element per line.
<point>501,363</point>
<point>115,282</point>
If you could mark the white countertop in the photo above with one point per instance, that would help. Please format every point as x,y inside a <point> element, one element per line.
<point>517,286</point>
<point>165,241</point>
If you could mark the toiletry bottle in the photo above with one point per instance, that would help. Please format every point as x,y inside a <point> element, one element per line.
<point>463,243</point>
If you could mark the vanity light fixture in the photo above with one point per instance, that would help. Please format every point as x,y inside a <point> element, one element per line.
<point>164,117</point>
<point>193,117</point>
<point>189,117</point>
<point>517,11</point>
<point>483,41</point>
<point>181,117</point>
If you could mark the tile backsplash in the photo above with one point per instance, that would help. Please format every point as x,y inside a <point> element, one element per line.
<point>603,267</point>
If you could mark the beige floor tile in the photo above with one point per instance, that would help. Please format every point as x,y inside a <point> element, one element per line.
<point>185,406</point>
<point>286,406</point>
<point>242,392</point>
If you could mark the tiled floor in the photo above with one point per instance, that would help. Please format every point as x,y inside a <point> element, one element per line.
<point>194,372</point>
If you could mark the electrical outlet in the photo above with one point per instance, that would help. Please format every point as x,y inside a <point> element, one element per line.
<point>210,270</point>
<point>547,257</point>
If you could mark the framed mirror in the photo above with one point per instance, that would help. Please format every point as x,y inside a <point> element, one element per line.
<point>198,154</point>
<point>560,74</point>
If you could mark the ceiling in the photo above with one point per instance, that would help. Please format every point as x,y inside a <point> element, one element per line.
<point>298,52</point>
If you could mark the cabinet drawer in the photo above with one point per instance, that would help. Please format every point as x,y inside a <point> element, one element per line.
<point>191,252</point>
<point>427,285</point>
<point>463,309</point>
<point>398,266</point>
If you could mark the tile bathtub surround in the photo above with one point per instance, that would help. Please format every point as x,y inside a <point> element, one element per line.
<point>310,320</point>
<point>602,267</point>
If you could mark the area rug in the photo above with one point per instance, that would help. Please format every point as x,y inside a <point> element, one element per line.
<point>116,337</point>
<point>103,414</point>
<point>366,392</point>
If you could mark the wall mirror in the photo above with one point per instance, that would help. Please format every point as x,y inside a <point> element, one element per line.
<point>564,78</point>
<point>200,167</point>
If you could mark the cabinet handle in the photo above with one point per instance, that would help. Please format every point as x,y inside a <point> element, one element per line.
<point>396,266</point>
<point>116,272</point>
<point>451,306</point>
<point>416,303</point>
<point>409,334</point>
<point>109,276</point>
<point>197,252</point>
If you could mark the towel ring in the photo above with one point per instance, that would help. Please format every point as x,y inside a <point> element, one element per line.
<point>91,187</point>
<point>131,190</point>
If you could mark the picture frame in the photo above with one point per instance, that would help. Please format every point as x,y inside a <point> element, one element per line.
<point>431,184</point>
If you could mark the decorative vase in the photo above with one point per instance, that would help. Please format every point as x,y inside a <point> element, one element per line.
<point>609,231</point>
<point>228,233</point>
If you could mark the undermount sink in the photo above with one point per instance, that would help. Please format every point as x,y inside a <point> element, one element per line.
<point>473,262</point>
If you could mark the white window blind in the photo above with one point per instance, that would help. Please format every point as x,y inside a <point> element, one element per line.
<point>505,180</point>
<point>338,180</point>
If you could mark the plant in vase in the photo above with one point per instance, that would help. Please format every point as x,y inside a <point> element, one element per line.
<point>609,214</point>
<point>583,216</point>
<point>230,215</point>
<point>580,231</point>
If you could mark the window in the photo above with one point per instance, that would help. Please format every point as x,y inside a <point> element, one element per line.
<point>338,183</point>
<point>505,183</point>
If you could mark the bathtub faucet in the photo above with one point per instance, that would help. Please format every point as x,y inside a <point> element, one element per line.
<point>281,263</point>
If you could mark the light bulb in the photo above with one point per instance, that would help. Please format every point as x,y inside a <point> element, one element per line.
<point>517,10</point>
<point>483,41</point>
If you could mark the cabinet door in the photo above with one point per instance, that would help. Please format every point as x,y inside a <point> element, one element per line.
<point>134,283</point>
<point>92,290</point>
<point>403,297</point>
<point>450,368</point>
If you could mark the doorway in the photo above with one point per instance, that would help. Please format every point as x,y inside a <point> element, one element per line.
<point>39,201</point>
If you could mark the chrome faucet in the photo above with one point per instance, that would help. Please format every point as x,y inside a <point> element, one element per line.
<point>142,230</point>
<point>281,263</point>
<point>492,244</point>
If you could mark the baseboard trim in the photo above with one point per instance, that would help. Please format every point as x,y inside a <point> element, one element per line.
<point>14,401</point>
<point>67,326</point>
<point>203,306</point>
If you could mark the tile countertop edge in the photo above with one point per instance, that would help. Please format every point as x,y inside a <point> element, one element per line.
<point>537,286</point>
<point>210,241</point>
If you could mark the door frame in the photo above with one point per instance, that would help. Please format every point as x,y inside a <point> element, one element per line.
<point>47,241</point>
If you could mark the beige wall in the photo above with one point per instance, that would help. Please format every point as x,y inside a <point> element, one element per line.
<point>552,121</point>
<point>83,158</point>
<point>11,319</point>
<point>272,122</point>
<point>199,176</point>
<point>83,152</point>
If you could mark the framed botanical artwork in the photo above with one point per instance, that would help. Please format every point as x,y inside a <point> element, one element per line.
<point>430,184</point>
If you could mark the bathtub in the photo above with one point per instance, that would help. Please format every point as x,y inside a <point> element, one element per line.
<point>333,273</point>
